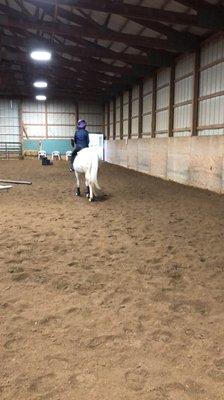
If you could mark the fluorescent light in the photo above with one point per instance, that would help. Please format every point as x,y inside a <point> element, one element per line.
<point>41,97</point>
<point>41,55</point>
<point>40,84</point>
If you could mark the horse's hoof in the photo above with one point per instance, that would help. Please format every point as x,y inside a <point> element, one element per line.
<point>90,199</point>
<point>78,192</point>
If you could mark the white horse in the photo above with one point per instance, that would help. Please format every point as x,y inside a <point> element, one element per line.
<point>87,162</point>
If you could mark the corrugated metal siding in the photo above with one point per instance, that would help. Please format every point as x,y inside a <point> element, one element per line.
<point>118,110</point>
<point>211,93</point>
<point>111,119</point>
<point>93,114</point>
<point>106,120</point>
<point>211,96</point>
<point>34,119</point>
<point>135,111</point>
<point>212,52</point>
<point>162,101</point>
<point>58,119</point>
<point>184,65</point>
<point>61,119</point>
<point>183,96</point>
<point>147,107</point>
<point>51,119</point>
<point>9,121</point>
<point>125,114</point>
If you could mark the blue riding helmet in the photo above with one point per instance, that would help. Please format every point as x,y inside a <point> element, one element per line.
<point>82,124</point>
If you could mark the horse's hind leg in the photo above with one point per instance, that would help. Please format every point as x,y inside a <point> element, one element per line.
<point>78,184</point>
<point>91,194</point>
<point>87,188</point>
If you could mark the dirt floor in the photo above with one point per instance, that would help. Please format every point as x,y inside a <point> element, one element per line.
<point>121,299</point>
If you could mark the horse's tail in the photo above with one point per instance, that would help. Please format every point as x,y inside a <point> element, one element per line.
<point>94,170</point>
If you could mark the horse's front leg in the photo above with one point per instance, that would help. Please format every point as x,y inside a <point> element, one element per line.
<point>78,184</point>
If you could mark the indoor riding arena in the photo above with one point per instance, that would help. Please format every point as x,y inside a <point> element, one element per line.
<point>113,292</point>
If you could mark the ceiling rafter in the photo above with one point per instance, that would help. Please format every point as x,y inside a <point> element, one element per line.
<point>78,37</point>
<point>79,32</point>
<point>95,50</point>
<point>106,85</point>
<point>149,13</point>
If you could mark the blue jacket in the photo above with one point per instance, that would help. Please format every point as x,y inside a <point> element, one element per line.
<point>81,138</point>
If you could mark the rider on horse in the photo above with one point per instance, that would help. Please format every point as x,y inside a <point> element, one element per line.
<point>81,140</point>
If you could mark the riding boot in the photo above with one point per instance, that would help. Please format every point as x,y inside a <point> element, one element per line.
<point>71,169</point>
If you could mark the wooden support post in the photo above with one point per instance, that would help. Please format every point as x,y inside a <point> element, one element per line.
<point>108,121</point>
<point>114,118</point>
<point>121,116</point>
<point>171,100</point>
<point>129,113</point>
<point>154,84</point>
<point>140,110</point>
<point>196,82</point>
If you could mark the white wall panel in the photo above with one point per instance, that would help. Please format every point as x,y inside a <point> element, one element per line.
<point>162,120</point>
<point>182,116</point>
<point>9,121</point>
<point>125,111</point>
<point>117,130</point>
<point>135,108</point>
<point>162,98</point>
<point>211,111</point>
<point>36,131</point>
<point>9,134</point>
<point>33,106</point>
<point>135,92</point>
<point>183,90</point>
<point>61,119</point>
<point>212,80</point>
<point>34,118</point>
<point>147,85</point>
<point>111,130</point>
<point>134,127</point>
<point>184,65</point>
<point>125,97</point>
<point>105,114</point>
<point>60,131</point>
<point>125,129</point>
<point>212,51</point>
<point>89,108</point>
<point>61,107</point>
<point>147,103</point>
<point>163,77</point>
<point>93,114</point>
<point>146,124</point>
<point>118,102</point>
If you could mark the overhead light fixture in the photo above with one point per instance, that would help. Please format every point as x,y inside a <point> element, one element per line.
<point>40,55</point>
<point>40,84</point>
<point>41,97</point>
